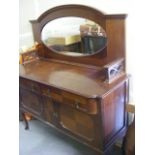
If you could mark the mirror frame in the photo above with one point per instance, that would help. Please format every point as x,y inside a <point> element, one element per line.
<point>115,48</point>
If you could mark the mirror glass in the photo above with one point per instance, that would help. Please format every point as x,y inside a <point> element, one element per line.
<point>74,36</point>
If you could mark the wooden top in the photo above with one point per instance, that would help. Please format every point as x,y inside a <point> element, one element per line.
<point>81,80</point>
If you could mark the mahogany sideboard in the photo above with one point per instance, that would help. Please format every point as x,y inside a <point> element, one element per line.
<point>83,96</point>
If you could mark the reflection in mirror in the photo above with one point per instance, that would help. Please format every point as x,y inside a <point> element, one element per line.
<point>74,36</point>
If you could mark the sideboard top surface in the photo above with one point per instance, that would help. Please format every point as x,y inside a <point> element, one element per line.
<point>81,80</point>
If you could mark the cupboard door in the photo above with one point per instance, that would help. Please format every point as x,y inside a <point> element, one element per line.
<point>31,102</point>
<point>77,122</point>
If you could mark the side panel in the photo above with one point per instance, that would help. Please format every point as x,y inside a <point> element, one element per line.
<point>113,112</point>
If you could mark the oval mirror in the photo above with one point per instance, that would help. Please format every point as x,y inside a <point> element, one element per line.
<point>74,36</point>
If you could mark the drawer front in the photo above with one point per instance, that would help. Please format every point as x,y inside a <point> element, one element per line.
<point>80,103</point>
<point>51,92</point>
<point>30,85</point>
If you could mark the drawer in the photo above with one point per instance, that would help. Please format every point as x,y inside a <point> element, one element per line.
<point>51,92</point>
<point>30,85</point>
<point>80,103</point>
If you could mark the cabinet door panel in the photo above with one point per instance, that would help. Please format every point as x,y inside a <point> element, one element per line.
<point>31,101</point>
<point>77,122</point>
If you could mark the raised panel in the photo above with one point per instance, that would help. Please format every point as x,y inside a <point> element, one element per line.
<point>114,111</point>
<point>77,122</point>
<point>31,101</point>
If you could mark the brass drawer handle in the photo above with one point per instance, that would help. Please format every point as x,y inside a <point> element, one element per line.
<point>77,106</point>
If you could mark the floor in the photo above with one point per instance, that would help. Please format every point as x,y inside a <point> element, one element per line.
<point>41,139</point>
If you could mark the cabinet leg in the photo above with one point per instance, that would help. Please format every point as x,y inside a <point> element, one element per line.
<point>26,122</point>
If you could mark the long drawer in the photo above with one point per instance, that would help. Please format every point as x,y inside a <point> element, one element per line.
<point>75,101</point>
<point>29,85</point>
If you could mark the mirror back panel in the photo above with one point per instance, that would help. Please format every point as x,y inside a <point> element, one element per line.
<point>80,34</point>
